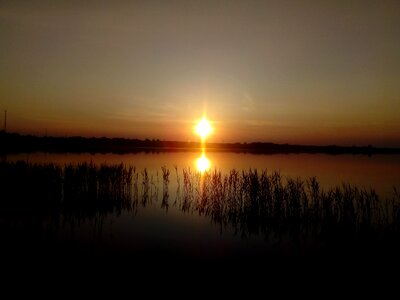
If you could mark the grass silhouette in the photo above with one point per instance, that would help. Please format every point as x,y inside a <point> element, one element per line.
<point>252,202</point>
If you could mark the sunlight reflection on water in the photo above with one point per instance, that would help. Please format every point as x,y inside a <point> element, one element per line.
<point>172,200</point>
<point>378,171</point>
<point>203,163</point>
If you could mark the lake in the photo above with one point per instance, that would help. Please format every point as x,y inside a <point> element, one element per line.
<point>160,224</point>
<point>381,172</point>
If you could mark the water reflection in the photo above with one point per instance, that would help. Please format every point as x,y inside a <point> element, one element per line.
<point>53,206</point>
<point>203,163</point>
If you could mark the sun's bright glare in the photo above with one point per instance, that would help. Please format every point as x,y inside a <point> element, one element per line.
<point>203,163</point>
<point>203,128</point>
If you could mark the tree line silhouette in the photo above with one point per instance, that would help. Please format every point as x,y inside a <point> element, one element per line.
<point>14,143</point>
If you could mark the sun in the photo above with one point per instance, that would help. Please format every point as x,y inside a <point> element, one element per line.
<point>203,128</point>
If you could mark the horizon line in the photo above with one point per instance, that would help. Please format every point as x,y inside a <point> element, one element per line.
<point>194,142</point>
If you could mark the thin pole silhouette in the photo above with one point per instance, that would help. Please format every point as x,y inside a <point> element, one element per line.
<point>5,120</point>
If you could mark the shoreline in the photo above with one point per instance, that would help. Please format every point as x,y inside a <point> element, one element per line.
<point>16,143</point>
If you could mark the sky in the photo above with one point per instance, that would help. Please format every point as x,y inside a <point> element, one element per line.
<point>305,72</point>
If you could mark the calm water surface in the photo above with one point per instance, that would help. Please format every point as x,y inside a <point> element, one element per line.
<point>152,226</point>
<point>381,172</point>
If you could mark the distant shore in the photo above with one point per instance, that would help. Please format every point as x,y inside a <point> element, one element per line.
<point>17,143</point>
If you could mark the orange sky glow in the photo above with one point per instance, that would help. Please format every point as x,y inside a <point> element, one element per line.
<point>304,72</point>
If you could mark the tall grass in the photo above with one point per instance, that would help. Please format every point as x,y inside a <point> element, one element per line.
<point>253,202</point>
<point>165,174</point>
<point>81,190</point>
<point>89,189</point>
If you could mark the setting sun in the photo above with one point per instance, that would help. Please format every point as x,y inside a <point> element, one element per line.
<point>203,128</point>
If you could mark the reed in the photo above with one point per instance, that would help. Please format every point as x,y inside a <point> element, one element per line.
<point>165,175</point>
<point>251,201</point>
<point>81,190</point>
<point>254,202</point>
